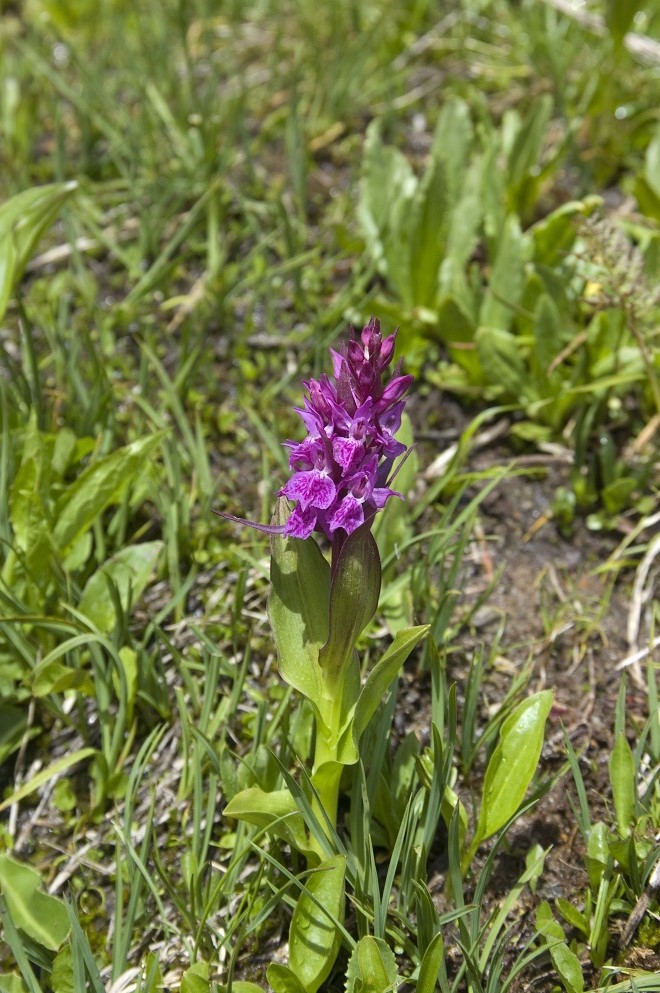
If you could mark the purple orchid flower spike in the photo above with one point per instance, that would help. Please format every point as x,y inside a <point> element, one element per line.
<point>343,467</point>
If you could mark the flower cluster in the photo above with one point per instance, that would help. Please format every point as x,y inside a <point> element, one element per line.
<point>342,468</point>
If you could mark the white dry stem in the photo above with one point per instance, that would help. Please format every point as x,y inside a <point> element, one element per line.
<point>642,593</point>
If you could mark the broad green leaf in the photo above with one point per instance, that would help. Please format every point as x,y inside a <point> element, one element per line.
<point>243,986</point>
<point>513,763</point>
<point>381,676</point>
<point>573,916</point>
<point>23,220</point>
<point>372,967</point>
<point>387,186</point>
<point>129,571</point>
<point>507,279</point>
<point>525,153</point>
<point>547,337</point>
<point>452,141</point>
<point>622,778</point>
<point>503,365</point>
<point>281,979</point>
<point>314,938</point>
<point>457,330</point>
<point>196,979</point>
<point>43,917</point>
<point>29,510</point>
<point>61,975</point>
<point>564,960</point>
<point>354,592</point>
<point>99,485</point>
<point>428,223</point>
<point>298,608</point>
<point>275,811</point>
<point>10,982</point>
<point>54,769</point>
<point>554,234</point>
<point>598,854</point>
<point>53,676</point>
<point>429,970</point>
<point>466,216</point>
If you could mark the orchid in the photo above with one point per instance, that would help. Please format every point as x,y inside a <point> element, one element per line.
<point>343,467</point>
<point>318,609</point>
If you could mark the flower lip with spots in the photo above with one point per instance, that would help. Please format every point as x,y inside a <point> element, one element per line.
<point>342,469</point>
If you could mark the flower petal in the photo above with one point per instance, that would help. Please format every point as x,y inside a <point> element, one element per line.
<point>312,488</point>
<point>301,522</point>
<point>348,514</point>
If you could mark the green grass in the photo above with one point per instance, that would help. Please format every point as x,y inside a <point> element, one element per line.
<point>248,179</point>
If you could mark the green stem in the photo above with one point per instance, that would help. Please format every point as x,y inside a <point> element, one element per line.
<point>327,769</point>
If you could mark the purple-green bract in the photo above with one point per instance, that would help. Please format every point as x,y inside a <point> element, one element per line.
<point>342,469</point>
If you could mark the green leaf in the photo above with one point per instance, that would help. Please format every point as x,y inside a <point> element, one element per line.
<point>429,970</point>
<point>196,979</point>
<point>61,975</point>
<point>29,510</point>
<point>372,967</point>
<point>275,811</point>
<point>354,592</point>
<point>23,220</point>
<point>314,938</point>
<point>381,676</point>
<point>598,855</point>
<point>281,979</point>
<point>507,278</point>
<point>647,185</point>
<point>622,778</point>
<point>619,15</point>
<point>525,154</point>
<point>573,916</point>
<point>298,608</point>
<point>99,485</point>
<point>53,676</point>
<point>502,362</point>
<point>387,188</point>
<point>554,234</point>
<point>547,336</point>
<point>129,571</point>
<point>466,217</point>
<point>564,960</point>
<point>428,224</point>
<point>452,141</point>
<point>42,917</point>
<point>54,769</point>
<point>243,986</point>
<point>512,764</point>
<point>13,722</point>
<point>10,982</point>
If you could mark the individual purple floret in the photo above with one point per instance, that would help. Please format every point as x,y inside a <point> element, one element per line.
<point>342,468</point>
